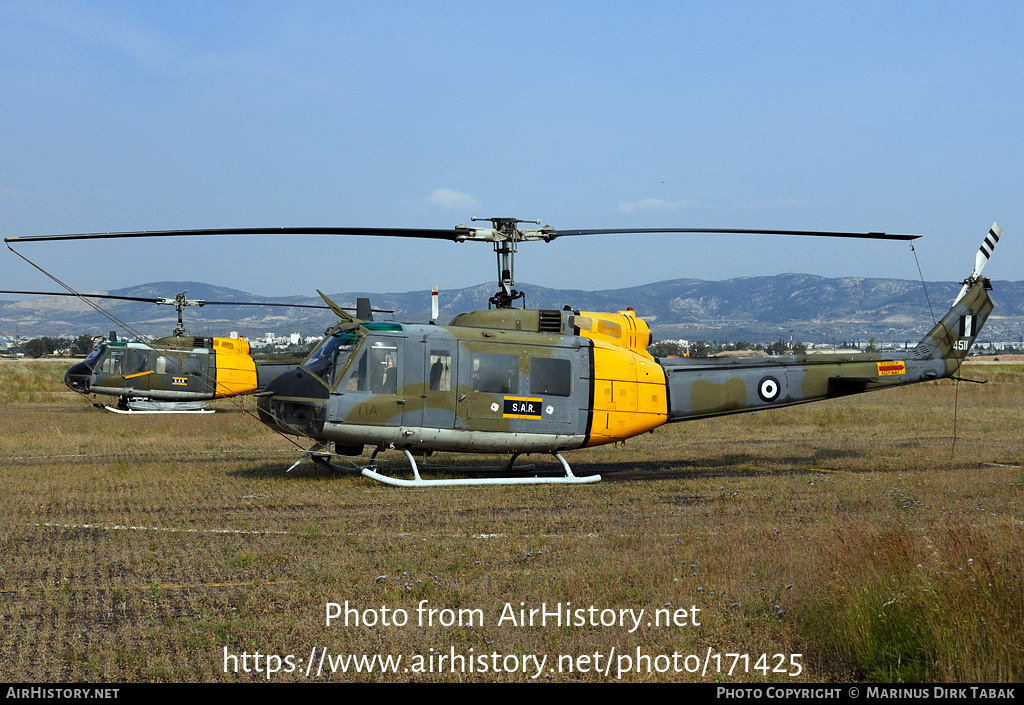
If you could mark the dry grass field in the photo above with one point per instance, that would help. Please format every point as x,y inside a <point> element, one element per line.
<point>851,533</point>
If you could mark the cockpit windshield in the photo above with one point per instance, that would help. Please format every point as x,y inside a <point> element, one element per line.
<point>323,362</point>
<point>90,360</point>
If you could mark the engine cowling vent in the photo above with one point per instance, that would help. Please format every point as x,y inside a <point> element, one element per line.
<point>550,322</point>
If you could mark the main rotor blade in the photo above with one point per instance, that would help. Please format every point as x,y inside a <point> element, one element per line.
<point>432,234</point>
<point>255,303</point>
<point>159,300</point>
<point>457,234</point>
<point>89,296</point>
<point>734,231</point>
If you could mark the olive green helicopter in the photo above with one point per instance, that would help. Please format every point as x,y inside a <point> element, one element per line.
<point>175,374</point>
<point>520,381</point>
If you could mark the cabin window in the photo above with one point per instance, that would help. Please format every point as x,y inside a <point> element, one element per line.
<point>168,366</point>
<point>137,362</point>
<point>550,376</point>
<point>498,374</point>
<point>440,371</point>
<point>193,365</point>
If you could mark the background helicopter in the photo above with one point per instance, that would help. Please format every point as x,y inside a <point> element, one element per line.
<point>545,381</point>
<point>177,373</point>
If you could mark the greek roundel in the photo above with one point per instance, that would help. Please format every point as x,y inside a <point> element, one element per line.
<point>768,388</point>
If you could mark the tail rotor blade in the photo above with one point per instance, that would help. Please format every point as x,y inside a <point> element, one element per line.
<point>981,259</point>
<point>994,233</point>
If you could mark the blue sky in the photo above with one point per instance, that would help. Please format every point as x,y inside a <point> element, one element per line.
<point>899,117</point>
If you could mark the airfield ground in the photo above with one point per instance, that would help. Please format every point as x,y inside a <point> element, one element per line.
<point>853,532</point>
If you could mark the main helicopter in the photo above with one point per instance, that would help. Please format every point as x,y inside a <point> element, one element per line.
<point>515,380</point>
<point>179,373</point>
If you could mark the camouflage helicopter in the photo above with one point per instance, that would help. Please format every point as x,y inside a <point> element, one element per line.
<point>179,373</point>
<point>515,380</point>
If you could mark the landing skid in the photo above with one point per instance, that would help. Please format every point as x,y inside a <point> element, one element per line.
<point>568,479</point>
<point>158,411</point>
<point>321,457</point>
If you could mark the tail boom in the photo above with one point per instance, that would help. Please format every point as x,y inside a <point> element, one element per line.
<point>712,387</point>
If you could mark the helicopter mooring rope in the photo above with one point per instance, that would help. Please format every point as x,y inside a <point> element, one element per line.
<point>99,309</point>
<point>959,362</point>
<point>923,285</point>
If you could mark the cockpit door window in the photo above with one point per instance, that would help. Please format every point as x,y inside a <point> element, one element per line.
<point>113,364</point>
<point>376,371</point>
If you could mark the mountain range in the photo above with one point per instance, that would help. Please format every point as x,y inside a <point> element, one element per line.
<point>756,309</point>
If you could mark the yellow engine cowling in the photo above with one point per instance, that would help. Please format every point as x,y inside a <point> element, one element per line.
<point>623,329</point>
<point>630,395</point>
<point>236,371</point>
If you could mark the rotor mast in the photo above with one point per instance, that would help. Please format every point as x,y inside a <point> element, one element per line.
<point>180,302</point>
<point>505,237</point>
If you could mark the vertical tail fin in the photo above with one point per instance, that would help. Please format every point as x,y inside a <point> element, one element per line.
<point>953,336</point>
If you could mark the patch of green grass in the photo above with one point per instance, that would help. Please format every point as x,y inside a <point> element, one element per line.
<point>899,612</point>
<point>243,559</point>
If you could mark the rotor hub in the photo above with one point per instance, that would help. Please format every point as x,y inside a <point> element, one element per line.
<point>505,235</point>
